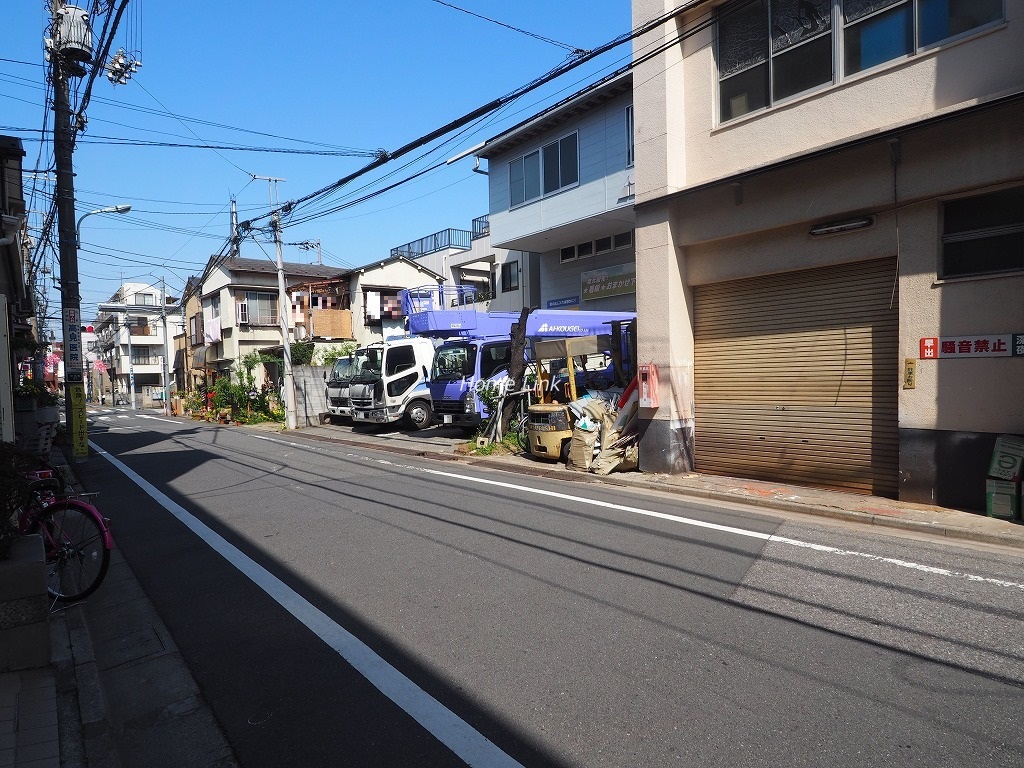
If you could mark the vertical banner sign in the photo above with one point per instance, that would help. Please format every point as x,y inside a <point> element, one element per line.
<point>72,347</point>
<point>910,373</point>
<point>76,402</point>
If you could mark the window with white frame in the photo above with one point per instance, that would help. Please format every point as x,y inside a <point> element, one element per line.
<point>257,308</point>
<point>770,50</point>
<point>983,234</point>
<point>145,299</point>
<point>545,171</point>
<point>215,306</point>
<point>630,156</point>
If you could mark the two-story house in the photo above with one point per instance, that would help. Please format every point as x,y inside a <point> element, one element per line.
<point>830,240</point>
<point>561,188</point>
<point>238,312</point>
<point>133,345</point>
<point>360,304</point>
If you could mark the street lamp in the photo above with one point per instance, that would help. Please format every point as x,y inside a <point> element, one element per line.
<point>108,209</point>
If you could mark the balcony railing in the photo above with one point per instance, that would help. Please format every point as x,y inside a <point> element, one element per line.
<point>460,239</point>
<point>475,296</point>
<point>481,227</point>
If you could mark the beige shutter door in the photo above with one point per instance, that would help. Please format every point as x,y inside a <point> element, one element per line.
<point>797,375</point>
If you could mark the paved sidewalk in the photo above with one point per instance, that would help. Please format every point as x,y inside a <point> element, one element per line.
<point>118,693</point>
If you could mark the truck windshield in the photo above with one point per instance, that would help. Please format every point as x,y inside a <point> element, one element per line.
<point>343,369</point>
<point>366,363</point>
<point>453,362</point>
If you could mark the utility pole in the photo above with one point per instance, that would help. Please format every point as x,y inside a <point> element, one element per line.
<point>284,311</point>
<point>131,361</point>
<point>234,228</point>
<point>163,317</point>
<point>62,68</point>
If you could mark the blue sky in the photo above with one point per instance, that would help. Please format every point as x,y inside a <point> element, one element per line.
<point>301,77</point>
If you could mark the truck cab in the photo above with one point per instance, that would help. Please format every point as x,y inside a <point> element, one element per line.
<point>337,382</point>
<point>391,383</point>
<point>460,367</point>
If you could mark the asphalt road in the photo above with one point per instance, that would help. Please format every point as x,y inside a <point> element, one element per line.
<point>344,606</point>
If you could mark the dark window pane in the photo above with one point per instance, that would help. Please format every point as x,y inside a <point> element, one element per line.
<point>742,36</point>
<point>802,68</point>
<point>569,159</point>
<point>399,359</point>
<point>623,239</point>
<point>796,20</point>
<point>551,178</point>
<point>743,93</point>
<point>531,170</point>
<point>584,249</point>
<point>939,19</point>
<point>996,209</point>
<point>998,253</point>
<point>568,253</point>
<point>603,244</point>
<point>879,39</point>
<point>856,9</point>
<point>510,276</point>
<point>516,182</point>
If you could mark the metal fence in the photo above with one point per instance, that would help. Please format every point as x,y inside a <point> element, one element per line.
<point>439,241</point>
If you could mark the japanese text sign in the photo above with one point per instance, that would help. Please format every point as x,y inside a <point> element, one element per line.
<point>979,345</point>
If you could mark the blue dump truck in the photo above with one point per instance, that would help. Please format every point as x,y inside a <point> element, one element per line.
<point>476,347</point>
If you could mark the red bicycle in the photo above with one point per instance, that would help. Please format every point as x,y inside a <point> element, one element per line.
<point>76,537</point>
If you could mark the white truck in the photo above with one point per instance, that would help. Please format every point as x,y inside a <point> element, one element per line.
<point>392,383</point>
<point>337,382</point>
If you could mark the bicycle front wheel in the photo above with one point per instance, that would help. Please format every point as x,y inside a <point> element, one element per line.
<point>522,434</point>
<point>76,557</point>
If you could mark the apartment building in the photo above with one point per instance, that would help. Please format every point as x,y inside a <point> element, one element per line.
<point>133,352</point>
<point>830,240</point>
<point>561,188</point>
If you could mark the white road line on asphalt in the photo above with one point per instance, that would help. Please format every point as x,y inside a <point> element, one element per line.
<point>470,745</point>
<point>157,418</point>
<point>945,572</point>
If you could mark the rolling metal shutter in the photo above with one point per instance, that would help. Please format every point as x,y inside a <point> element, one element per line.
<point>796,377</point>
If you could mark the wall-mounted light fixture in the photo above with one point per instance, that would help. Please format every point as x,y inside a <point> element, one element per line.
<point>838,227</point>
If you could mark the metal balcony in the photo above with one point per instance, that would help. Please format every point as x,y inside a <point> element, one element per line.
<point>458,239</point>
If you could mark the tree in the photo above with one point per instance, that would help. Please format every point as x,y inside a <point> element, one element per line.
<point>516,367</point>
<point>302,352</point>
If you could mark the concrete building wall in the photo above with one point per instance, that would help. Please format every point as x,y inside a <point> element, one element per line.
<point>917,132</point>
<point>682,143</point>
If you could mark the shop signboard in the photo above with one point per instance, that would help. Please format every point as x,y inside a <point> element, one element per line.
<point>609,281</point>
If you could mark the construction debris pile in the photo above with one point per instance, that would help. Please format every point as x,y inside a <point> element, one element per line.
<point>605,436</point>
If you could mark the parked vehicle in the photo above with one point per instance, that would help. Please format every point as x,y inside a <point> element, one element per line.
<point>337,383</point>
<point>391,383</point>
<point>460,367</point>
<point>477,346</point>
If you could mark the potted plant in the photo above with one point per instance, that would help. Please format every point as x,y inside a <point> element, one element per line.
<point>27,395</point>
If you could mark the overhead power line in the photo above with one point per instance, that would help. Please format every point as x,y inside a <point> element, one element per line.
<point>571,48</point>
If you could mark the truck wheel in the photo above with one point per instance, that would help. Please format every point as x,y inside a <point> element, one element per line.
<point>419,416</point>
